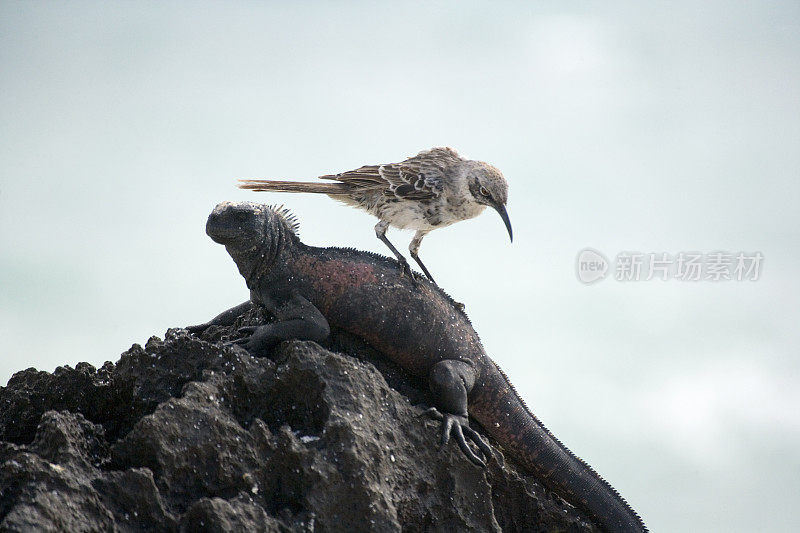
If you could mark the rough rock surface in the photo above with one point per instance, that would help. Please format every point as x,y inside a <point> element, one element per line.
<point>187,434</point>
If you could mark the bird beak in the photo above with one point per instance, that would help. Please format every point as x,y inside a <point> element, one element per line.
<point>500,208</point>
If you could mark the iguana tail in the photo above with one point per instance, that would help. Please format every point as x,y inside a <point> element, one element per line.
<point>502,413</point>
<point>294,186</point>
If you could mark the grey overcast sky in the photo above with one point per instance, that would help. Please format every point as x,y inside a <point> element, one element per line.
<point>622,126</point>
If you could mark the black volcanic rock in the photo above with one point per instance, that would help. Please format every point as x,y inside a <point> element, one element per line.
<point>187,434</point>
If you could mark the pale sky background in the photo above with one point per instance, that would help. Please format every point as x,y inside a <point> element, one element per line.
<point>657,127</point>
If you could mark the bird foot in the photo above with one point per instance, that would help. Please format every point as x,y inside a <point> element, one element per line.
<point>405,270</point>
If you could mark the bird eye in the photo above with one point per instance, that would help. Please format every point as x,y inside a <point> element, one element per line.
<point>484,191</point>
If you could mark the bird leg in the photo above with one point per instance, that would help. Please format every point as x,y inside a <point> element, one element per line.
<point>380,232</point>
<point>413,248</point>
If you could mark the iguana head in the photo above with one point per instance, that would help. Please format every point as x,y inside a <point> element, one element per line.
<point>253,234</point>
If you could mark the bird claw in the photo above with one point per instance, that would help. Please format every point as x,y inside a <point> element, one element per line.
<point>405,270</point>
<point>458,427</point>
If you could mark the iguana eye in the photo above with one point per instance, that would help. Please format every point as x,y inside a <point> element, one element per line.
<point>484,191</point>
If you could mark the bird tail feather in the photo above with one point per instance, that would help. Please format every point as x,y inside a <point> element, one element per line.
<point>294,186</point>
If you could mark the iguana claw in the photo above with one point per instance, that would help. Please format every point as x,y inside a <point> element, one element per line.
<point>198,328</point>
<point>257,339</point>
<point>457,426</point>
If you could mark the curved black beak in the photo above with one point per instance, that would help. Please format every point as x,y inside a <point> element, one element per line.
<point>501,209</point>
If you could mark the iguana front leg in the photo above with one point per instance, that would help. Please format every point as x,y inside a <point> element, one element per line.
<point>295,318</point>
<point>450,382</point>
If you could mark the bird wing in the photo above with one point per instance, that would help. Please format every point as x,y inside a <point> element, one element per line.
<point>417,178</point>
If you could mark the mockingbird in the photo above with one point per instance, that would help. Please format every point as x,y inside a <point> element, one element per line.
<point>431,190</point>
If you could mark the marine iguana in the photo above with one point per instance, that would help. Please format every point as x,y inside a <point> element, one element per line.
<point>417,326</point>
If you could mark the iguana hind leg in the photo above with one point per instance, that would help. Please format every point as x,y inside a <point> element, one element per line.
<point>450,382</point>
